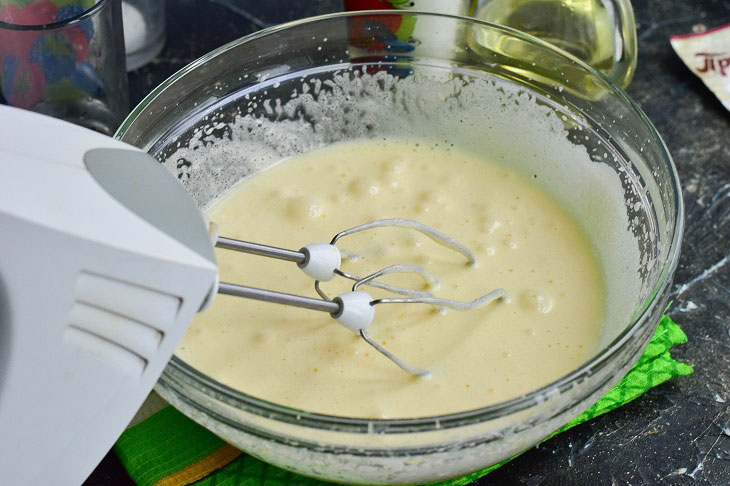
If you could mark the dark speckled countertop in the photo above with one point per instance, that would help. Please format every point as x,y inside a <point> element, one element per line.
<point>679,432</point>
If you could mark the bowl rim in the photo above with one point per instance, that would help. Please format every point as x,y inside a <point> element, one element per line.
<point>602,357</point>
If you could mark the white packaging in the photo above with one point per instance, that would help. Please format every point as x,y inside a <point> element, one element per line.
<point>707,54</point>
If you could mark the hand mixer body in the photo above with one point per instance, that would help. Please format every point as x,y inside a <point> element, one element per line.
<point>104,261</point>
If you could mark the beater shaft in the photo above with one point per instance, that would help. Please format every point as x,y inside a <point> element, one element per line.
<point>279,297</point>
<point>261,250</point>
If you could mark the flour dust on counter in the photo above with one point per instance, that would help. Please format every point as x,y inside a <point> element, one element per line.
<point>524,241</point>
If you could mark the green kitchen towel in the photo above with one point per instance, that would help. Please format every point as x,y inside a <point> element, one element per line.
<point>168,449</point>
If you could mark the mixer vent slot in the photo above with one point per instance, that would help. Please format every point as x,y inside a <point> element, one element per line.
<point>121,323</point>
<point>148,306</point>
<point>123,360</point>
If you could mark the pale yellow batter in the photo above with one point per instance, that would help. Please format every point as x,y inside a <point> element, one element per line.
<point>524,242</point>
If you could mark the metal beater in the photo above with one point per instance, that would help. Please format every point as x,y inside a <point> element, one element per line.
<point>356,309</point>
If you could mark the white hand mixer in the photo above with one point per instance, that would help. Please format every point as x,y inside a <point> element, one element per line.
<point>104,260</point>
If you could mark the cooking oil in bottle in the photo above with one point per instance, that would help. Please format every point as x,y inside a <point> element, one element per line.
<point>582,27</point>
<point>600,32</point>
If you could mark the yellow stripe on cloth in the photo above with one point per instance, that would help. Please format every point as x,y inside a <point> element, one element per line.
<point>202,468</point>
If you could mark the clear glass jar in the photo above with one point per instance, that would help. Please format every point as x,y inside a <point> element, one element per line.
<point>66,62</point>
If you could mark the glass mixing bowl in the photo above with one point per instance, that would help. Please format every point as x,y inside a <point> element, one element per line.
<point>307,84</point>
